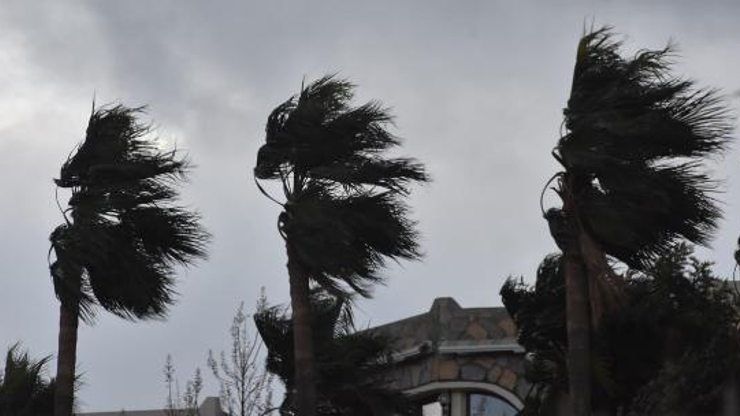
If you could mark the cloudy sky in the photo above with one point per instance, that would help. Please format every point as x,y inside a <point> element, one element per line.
<point>477,88</point>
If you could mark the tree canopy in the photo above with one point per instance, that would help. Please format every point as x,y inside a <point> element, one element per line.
<point>671,349</point>
<point>351,365</point>
<point>25,389</point>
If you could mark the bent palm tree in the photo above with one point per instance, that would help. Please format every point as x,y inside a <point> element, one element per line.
<point>343,215</point>
<point>632,185</point>
<point>123,235</point>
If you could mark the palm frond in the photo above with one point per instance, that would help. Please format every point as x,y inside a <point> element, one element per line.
<point>392,174</point>
<point>127,233</point>
<point>639,214</point>
<point>636,138</point>
<point>318,128</point>
<point>24,388</point>
<point>351,365</point>
<point>116,150</point>
<point>349,238</point>
<point>343,215</point>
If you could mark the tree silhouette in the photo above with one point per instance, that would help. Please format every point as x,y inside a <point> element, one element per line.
<point>343,215</point>
<point>632,184</point>
<point>659,356</point>
<point>24,388</point>
<point>122,234</point>
<point>351,366</point>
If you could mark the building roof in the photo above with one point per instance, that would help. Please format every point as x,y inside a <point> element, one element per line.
<point>448,328</point>
<point>455,349</point>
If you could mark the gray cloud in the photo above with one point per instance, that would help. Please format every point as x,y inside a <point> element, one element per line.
<point>477,88</point>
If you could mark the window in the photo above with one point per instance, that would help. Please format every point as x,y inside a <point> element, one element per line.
<point>487,405</point>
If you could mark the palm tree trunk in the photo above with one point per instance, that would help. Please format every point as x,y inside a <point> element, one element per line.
<point>66,359</point>
<point>578,328</point>
<point>305,381</point>
<point>577,311</point>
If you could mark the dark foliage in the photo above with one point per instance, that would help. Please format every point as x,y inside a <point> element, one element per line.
<point>343,212</point>
<point>24,388</point>
<point>671,349</point>
<point>539,313</point>
<point>351,365</point>
<point>635,139</point>
<point>123,234</point>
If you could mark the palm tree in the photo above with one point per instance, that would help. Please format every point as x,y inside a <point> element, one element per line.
<point>24,389</point>
<point>343,215</point>
<point>122,234</point>
<point>351,366</point>
<point>632,185</point>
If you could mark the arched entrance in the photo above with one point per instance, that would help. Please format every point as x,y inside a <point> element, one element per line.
<point>465,398</point>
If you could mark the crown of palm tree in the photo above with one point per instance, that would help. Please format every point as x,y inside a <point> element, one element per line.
<point>635,138</point>
<point>124,234</point>
<point>342,215</point>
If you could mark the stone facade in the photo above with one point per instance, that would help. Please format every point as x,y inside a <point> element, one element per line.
<point>472,348</point>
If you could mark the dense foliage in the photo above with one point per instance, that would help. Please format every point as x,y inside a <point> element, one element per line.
<point>122,233</point>
<point>24,388</point>
<point>635,138</point>
<point>671,349</point>
<point>351,365</point>
<point>343,214</point>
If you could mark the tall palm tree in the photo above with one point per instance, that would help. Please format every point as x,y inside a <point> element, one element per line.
<point>351,365</point>
<point>343,215</point>
<point>122,234</point>
<point>632,184</point>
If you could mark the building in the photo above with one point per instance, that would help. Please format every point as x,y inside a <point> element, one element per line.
<point>211,406</point>
<point>459,361</point>
<point>453,361</point>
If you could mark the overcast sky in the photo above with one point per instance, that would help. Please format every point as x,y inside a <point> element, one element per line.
<point>477,88</point>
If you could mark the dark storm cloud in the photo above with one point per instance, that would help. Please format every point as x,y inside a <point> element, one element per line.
<point>477,88</point>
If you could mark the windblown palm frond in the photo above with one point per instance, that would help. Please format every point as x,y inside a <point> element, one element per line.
<point>24,388</point>
<point>343,213</point>
<point>125,233</point>
<point>348,237</point>
<point>351,365</point>
<point>635,138</point>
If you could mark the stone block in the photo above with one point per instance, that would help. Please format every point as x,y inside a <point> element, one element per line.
<point>508,380</point>
<point>458,326</point>
<point>507,324</point>
<point>476,331</point>
<point>487,362</point>
<point>494,373</point>
<point>473,372</point>
<point>493,329</point>
<point>448,370</point>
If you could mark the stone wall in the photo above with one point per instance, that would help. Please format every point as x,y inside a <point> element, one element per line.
<point>450,343</point>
